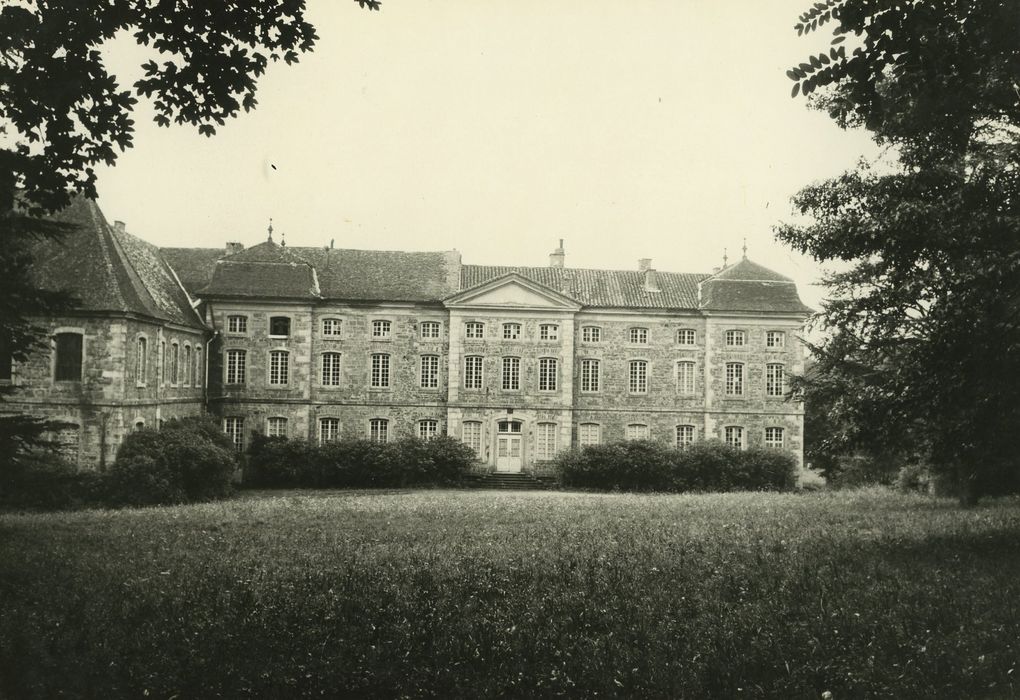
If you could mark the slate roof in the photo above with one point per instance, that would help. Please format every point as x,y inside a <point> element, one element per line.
<point>194,266</point>
<point>109,270</point>
<point>747,286</point>
<point>600,288</point>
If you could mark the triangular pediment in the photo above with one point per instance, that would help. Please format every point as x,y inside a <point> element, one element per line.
<point>512,291</point>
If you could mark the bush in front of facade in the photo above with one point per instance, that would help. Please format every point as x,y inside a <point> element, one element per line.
<point>43,480</point>
<point>187,460</point>
<point>648,466</point>
<point>279,462</point>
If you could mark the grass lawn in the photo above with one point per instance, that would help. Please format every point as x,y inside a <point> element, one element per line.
<point>464,593</point>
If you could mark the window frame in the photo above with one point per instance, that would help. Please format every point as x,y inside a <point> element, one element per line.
<point>682,332</point>
<point>337,324</point>
<point>549,332</point>
<point>590,331</point>
<point>546,446</point>
<point>637,335</point>
<point>436,326</point>
<point>382,329</point>
<point>512,330</point>
<point>474,442</point>
<point>770,444</point>
<point>647,432</point>
<point>734,385</point>
<point>379,430</point>
<point>690,388</point>
<point>141,360</point>
<point>770,335</point>
<point>270,420</point>
<point>428,429</point>
<point>433,372</point>
<point>513,363</point>
<point>548,374</point>
<point>772,391</point>
<point>239,320</point>
<point>236,434</point>
<point>581,441</point>
<point>591,383</point>
<point>188,368</point>
<point>279,368</point>
<point>732,336</point>
<point>175,363</point>
<point>60,369</point>
<point>474,330</point>
<point>335,369</point>
<point>323,436</point>
<point>273,320</point>
<point>379,377</point>
<point>688,440</point>
<point>469,373</point>
<point>240,369</point>
<point>738,430</point>
<point>641,381</point>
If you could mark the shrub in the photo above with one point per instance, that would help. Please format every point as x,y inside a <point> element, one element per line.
<point>43,480</point>
<point>914,477</point>
<point>187,460</point>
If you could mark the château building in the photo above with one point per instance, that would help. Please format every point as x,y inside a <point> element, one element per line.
<point>331,344</point>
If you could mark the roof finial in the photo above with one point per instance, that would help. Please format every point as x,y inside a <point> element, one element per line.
<point>283,239</point>
<point>725,258</point>
<point>270,229</point>
<point>745,247</point>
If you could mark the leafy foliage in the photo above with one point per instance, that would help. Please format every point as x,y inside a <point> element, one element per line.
<point>922,355</point>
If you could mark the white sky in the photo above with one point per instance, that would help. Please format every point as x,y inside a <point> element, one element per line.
<point>660,129</point>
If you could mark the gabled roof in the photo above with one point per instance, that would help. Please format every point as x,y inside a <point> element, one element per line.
<point>512,290</point>
<point>600,288</point>
<point>265,270</point>
<point>107,269</point>
<point>747,286</point>
<point>746,271</point>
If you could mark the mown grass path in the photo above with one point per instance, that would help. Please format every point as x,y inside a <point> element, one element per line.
<point>469,594</point>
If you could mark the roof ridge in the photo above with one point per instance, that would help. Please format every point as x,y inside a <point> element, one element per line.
<point>98,227</point>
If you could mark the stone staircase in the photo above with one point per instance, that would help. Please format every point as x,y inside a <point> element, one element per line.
<point>500,480</point>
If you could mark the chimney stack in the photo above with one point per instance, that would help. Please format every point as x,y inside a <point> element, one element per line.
<point>644,264</point>
<point>234,247</point>
<point>120,226</point>
<point>557,257</point>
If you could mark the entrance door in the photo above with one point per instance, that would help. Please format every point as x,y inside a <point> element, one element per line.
<point>508,446</point>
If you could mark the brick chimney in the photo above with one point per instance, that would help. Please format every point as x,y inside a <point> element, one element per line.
<point>234,247</point>
<point>651,278</point>
<point>120,226</point>
<point>557,257</point>
<point>644,264</point>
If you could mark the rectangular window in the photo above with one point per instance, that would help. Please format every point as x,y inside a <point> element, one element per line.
<point>685,378</point>
<point>331,369</point>
<point>545,441</point>
<point>735,339</point>
<point>378,430</point>
<point>734,436</point>
<point>427,429</point>
<point>430,372</point>
<point>637,431</point>
<point>279,327</point>
<point>68,348</point>
<point>188,368</point>
<point>734,379</point>
<point>590,376</point>
<point>474,329</point>
<point>380,329</point>
<point>511,331</point>
<point>276,427</point>
<point>775,380</point>
<point>638,377</point>
<point>329,430</point>
<point>684,436</point>
<point>639,336</point>
<point>548,331</point>
<point>686,336</point>
<point>141,361</point>
<point>237,324</point>
<point>775,339</point>
<point>236,366</point>
<point>162,362</point>
<point>234,428</point>
<point>430,329</point>
<point>547,374</point>
<point>511,373</point>
<point>591,334</point>
<point>175,368</point>
<point>332,327</point>
<point>472,436</point>
<point>589,434</point>
<point>380,371</point>
<point>279,367</point>
<point>199,368</point>
<point>473,372</point>
<point>774,438</point>
<point>7,360</point>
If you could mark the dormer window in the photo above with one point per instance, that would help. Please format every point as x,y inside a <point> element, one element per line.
<point>511,331</point>
<point>380,329</point>
<point>279,327</point>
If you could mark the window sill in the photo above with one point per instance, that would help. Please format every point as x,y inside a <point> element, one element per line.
<point>278,337</point>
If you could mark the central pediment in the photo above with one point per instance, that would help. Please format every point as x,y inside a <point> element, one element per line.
<point>511,291</point>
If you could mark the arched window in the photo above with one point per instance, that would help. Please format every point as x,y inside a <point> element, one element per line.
<point>428,429</point>
<point>141,361</point>
<point>430,329</point>
<point>189,368</point>
<point>175,366</point>
<point>473,372</point>
<point>511,373</point>
<point>684,436</point>
<point>589,434</point>
<point>637,431</point>
<point>590,376</point>
<point>638,336</point>
<point>734,436</point>
<point>276,426</point>
<point>378,430</point>
<point>199,368</point>
<point>429,375</point>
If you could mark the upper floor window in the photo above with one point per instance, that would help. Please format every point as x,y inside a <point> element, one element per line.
<point>685,378</point>
<point>175,364</point>
<point>638,383</point>
<point>234,428</point>
<point>331,369</point>
<point>381,329</point>
<point>590,375</point>
<point>684,436</point>
<point>735,339</point>
<point>189,368</point>
<point>474,329</point>
<point>734,436</point>
<point>547,374</point>
<point>162,362</point>
<point>429,371</point>
<point>511,373</point>
<point>589,434</point>
<point>545,440</point>
<point>279,367</point>
<point>591,334</point>
<point>686,336</point>
<point>141,361</point>
<point>237,324</point>
<point>511,331</point>
<point>639,336</point>
<point>329,429</point>
<point>428,429</point>
<point>380,378</point>
<point>279,327</point>
<point>548,331</point>
<point>637,431</point>
<point>276,427</point>
<point>774,438</point>
<point>332,327</point>
<point>235,367</point>
<point>199,369</point>
<point>430,329</point>
<point>471,435</point>
<point>472,372</point>
<point>68,348</point>
<point>775,339</point>
<point>775,380</point>
<point>378,430</point>
<point>734,379</point>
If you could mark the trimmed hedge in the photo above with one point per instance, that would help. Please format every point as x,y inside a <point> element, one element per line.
<point>648,466</point>
<point>275,462</point>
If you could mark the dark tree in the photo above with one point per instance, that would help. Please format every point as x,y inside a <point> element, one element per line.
<point>922,351</point>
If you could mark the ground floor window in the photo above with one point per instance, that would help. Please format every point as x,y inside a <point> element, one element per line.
<point>734,436</point>
<point>276,427</point>
<point>774,438</point>
<point>589,434</point>
<point>234,428</point>
<point>472,436</point>
<point>329,430</point>
<point>427,429</point>
<point>378,430</point>
<point>637,431</point>
<point>545,440</point>
<point>684,436</point>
